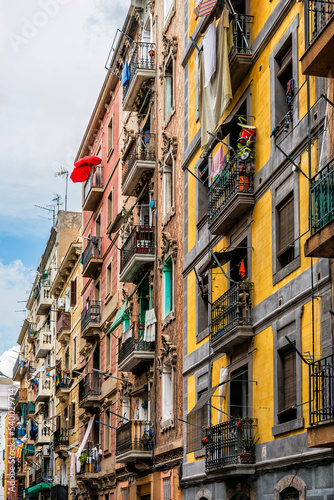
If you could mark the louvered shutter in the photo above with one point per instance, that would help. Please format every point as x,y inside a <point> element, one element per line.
<point>73,299</point>
<point>289,375</point>
<point>286,225</point>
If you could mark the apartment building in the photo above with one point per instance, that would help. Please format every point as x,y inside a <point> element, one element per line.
<point>6,393</point>
<point>258,180</point>
<point>35,401</point>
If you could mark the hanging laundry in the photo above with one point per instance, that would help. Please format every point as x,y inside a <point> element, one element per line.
<point>209,52</point>
<point>242,270</point>
<point>217,163</point>
<point>290,90</point>
<point>204,7</point>
<point>150,322</point>
<point>125,73</point>
<point>215,98</point>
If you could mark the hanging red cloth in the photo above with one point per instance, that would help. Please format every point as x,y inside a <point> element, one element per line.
<point>242,270</point>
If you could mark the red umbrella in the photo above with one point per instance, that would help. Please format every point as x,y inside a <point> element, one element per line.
<point>88,160</point>
<point>81,174</point>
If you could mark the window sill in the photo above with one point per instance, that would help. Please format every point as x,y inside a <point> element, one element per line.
<point>285,271</point>
<point>200,453</point>
<point>293,425</point>
<point>109,154</point>
<point>166,424</point>
<point>202,335</point>
<point>168,319</point>
<point>108,298</point>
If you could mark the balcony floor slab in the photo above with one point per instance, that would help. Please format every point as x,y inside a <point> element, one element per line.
<point>321,244</point>
<point>134,264</point>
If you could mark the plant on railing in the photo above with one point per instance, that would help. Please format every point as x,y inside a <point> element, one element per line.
<point>83,459</point>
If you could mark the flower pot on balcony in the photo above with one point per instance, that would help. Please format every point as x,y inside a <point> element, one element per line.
<point>245,457</point>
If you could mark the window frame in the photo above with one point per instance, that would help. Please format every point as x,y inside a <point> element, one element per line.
<point>110,137</point>
<point>167,421</point>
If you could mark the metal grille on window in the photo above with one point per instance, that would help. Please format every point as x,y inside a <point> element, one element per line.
<point>167,488</point>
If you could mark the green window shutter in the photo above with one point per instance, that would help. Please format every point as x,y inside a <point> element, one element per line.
<point>167,287</point>
<point>126,321</point>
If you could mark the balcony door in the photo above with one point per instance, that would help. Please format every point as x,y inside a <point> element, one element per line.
<point>239,401</point>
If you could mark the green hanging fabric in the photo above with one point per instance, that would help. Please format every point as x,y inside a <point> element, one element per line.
<point>24,413</point>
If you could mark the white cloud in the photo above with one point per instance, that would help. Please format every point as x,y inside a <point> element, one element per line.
<point>15,281</point>
<point>7,361</point>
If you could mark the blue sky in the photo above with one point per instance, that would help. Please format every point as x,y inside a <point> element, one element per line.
<point>52,55</point>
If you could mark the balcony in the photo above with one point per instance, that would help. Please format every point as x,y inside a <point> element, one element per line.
<point>19,369</point>
<point>64,328</point>
<point>31,368</point>
<point>21,396</point>
<point>231,196</point>
<point>43,342</point>
<point>43,298</point>
<point>43,435</point>
<point>321,385</point>
<point>139,163</point>
<point>90,391</point>
<point>134,441</point>
<point>20,468</point>
<point>90,320</point>
<point>63,382</point>
<point>92,257</point>
<point>240,54</point>
<point>43,388</point>
<point>61,439</point>
<point>142,67</point>
<point>137,252</point>
<point>44,475</point>
<point>93,190</point>
<point>321,241</point>
<point>135,351</point>
<point>31,408</point>
<point>231,318</point>
<point>32,333</point>
<point>230,448</point>
<point>319,39</point>
<point>30,451</point>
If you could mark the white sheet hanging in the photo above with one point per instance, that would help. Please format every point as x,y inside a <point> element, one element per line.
<point>209,52</point>
<point>222,391</point>
<point>84,441</point>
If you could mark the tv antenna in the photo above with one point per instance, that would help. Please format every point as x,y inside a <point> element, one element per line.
<point>51,208</point>
<point>63,173</point>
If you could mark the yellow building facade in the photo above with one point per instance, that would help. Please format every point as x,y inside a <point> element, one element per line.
<point>257,309</point>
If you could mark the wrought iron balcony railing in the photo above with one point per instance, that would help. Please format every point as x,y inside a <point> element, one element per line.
<point>91,313</point>
<point>32,331</point>
<point>92,250</point>
<point>61,437</point>
<point>64,322</point>
<point>320,12</point>
<point>31,408</point>
<point>321,387</point>
<point>233,308</point>
<point>231,442</point>
<point>140,242</point>
<point>235,178</point>
<point>142,149</point>
<point>63,379</point>
<point>143,58</point>
<point>90,463</point>
<point>322,197</point>
<point>30,450</point>
<point>135,435</point>
<point>42,475</point>
<point>240,37</point>
<point>90,386</point>
<point>94,180</point>
<point>134,343</point>
<point>31,368</point>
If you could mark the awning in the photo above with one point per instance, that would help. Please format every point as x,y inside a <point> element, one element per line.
<point>204,7</point>
<point>39,487</point>
<point>204,399</point>
<point>119,317</point>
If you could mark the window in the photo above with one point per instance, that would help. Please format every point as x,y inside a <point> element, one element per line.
<point>286,231</point>
<point>283,76</point>
<point>168,4</point>
<point>239,405</point>
<point>290,494</point>
<point>110,136</point>
<point>107,430</point>
<point>124,493</point>
<point>110,212</point>
<point>288,386</point>
<point>167,488</point>
<point>74,357</point>
<point>67,301</point>
<point>98,226</point>
<point>197,423</point>
<point>168,87</point>
<point>168,187</point>
<point>71,422</point>
<point>108,350</point>
<point>167,287</point>
<point>126,408</point>
<point>109,279</point>
<point>202,311</point>
<point>167,407</point>
<point>73,293</point>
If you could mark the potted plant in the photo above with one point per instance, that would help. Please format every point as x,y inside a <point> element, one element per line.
<point>83,459</point>
<point>249,440</point>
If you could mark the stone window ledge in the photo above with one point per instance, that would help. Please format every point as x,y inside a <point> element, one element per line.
<point>293,425</point>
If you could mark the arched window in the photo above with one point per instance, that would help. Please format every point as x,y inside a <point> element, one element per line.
<point>290,494</point>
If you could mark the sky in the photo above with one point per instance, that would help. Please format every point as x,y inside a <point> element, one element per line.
<point>52,56</point>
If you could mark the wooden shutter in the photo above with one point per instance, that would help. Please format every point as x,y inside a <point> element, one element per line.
<point>72,416</point>
<point>73,299</point>
<point>197,423</point>
<point>286,225</point>
<point>289,376</point>
<point>58,421</point>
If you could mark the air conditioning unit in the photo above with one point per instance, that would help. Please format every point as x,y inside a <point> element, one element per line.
<point>46,450</point>
<point>61,303</point>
